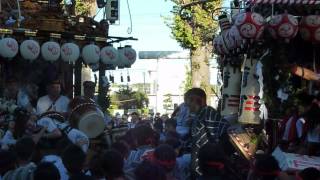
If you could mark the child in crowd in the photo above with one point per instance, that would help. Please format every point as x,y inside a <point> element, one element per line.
<point>165,157</point>
<point>24,149</point>
<point>308,174</point>
<point>213,164</point>
<point>46,171</point>
<point>74,159</point>
<point>112,164</point>
<point>149,171</point>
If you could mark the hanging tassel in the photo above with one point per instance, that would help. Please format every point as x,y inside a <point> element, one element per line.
<point>121,78</point>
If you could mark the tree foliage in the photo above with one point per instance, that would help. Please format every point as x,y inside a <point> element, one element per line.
<point>126,98</point>
<point>187,83</point>
<point>84,7</point>
<point>195,26</point>
<point>167,102</point>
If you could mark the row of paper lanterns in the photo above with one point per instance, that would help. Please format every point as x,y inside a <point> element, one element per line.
<point>249,27</point>
<point>69,52</point>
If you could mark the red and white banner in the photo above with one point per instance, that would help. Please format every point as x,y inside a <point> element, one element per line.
<point>289,2</point>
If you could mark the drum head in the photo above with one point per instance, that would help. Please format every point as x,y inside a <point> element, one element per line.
<point>92,124</point>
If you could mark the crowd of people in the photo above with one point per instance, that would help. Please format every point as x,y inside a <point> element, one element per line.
<point>190,144</point>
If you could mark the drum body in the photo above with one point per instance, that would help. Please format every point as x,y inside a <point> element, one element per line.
<point>231,90</point>
<point>86,116</point>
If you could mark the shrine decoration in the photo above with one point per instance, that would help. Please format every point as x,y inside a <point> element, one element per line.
<point>220,46</point>
<point>250,25</point>
<point>109,55</point>
<point>8,47</point>
<point>70,52</point>
<point>231,90</point>
<point>91,54</point>
<point>249,111</point>
<point>310,28</point>
<point>283,26</point>
<point>50,51</point>
<point>234,38</point>
<point>30,50</point>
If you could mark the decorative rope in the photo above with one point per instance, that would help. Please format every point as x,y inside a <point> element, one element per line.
<point>81,105</point>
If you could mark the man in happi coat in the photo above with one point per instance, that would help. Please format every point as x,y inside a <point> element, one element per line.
<point>208,126</point>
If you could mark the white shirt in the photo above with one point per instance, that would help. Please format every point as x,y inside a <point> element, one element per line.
<point>57,161</point>
<point>76,136</point>
<point>46,104</point>
<point>299,125</point>
<point>48,123</point>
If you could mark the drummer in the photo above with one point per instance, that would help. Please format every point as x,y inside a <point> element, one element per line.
<point>54,101</point>
<point>89,90</point>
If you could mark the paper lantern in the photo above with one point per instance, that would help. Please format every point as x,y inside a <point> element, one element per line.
<point>50,51</point>
<point>283,26</point>
<point>70,52</point>
<point>91,54</point>
<point>310,28</point>
<point>9,47</point>
<point>250,25</point>
<point>222,45</point>
<point>109,55</point>
<point>127,56</point>
<point>130,56</point>
<point>30,50</point>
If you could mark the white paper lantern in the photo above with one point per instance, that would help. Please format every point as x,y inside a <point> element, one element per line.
<point>50,51</point>
<point>30,50</point>
<point>121,61</point>
<point>109,55</point>
<point>129,56</point>
<point>8,47</point>
<point>70,52</point>
<point>91,54</point>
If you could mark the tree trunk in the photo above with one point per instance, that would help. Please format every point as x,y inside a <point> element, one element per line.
<point>200,69</point>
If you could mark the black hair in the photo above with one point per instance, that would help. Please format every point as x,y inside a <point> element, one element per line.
<point>112,164</point>
<point>8,160</point>
<point>171,122</point>
<point>267,164</point>
<point>144,135</point>
<point>165,153</point>
<point>197,92</point>
<point>130,138</point>
<point>173,142</point>
<point>95,166</point>
<point>147,170</point>
<point>47,171</point>
<point>25,147</point>
<point>211,154</point>
<point>122,148</point>
<point>135,113</point>
<point>310,173</point>
<point>73,158</point>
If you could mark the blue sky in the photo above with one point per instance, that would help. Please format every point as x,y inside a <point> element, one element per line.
<point>148,25</point>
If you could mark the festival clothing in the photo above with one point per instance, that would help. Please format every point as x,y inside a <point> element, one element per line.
<point>136,156</point>
<point>208,127</point>
<point>288,129</point>
<point>22,173</point>
<point>57,161</point>
<point>7,140</point>
<point>76,136</point>
<point>45,104</point>
<point>183,128</point>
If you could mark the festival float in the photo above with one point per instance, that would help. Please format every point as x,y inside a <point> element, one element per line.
<point>43,40</point>
<point>268,52</point>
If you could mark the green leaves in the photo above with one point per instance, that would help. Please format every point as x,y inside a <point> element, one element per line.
<point>194,26</point>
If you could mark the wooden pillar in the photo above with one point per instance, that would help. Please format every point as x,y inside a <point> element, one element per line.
<point>77,78</point>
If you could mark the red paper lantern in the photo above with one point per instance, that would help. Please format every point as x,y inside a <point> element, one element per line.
<point>250,25</point>
<point>310,28</point>
<point>283,26</point>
